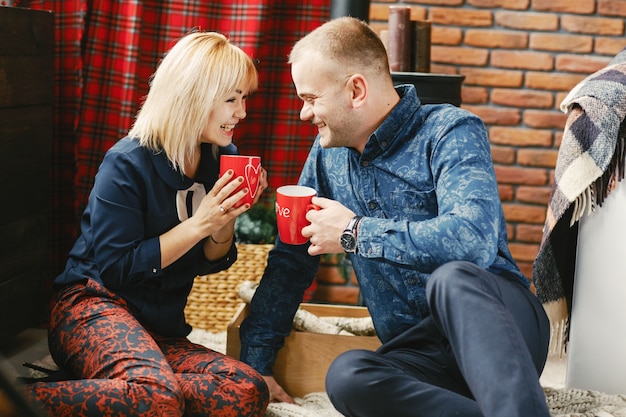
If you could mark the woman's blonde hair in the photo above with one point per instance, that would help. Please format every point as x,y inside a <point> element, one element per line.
<point>202,68</point>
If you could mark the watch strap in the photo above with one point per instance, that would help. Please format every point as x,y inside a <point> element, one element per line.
<point>351,224</point>
<point>357,220</point>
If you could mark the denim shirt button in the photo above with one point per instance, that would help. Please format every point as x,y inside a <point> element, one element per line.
<point>372,205</point>
<point>366,163</point>
<point>412,281</point>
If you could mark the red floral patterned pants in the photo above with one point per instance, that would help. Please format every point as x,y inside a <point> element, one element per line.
<point>127,371</point>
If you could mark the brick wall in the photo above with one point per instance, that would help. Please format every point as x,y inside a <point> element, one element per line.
<point>520,58</point>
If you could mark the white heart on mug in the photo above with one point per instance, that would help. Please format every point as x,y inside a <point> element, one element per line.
<point>252,178</point>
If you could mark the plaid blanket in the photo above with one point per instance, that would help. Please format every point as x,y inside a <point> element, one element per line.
<point>589,165</point>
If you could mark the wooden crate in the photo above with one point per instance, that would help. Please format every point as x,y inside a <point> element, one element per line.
<point>302,363</point>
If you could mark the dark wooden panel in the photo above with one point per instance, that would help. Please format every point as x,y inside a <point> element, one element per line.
<point>26,56</point>
<point>25,161</point>
<point>26,32</point>
<point>23,246</point>
<point>22,197</point>
<point>25,141</point>
<point>22,302</point>
<point>26,135</point>
<point>25,80</point>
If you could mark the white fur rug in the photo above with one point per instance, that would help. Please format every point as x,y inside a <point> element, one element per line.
<point>562,402</point>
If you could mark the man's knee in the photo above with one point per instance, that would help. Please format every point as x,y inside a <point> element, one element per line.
<point>347,378</point>
<point>341,370</point>
<point>452,276</point>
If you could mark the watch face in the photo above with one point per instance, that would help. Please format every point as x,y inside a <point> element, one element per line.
<point>348,242</point>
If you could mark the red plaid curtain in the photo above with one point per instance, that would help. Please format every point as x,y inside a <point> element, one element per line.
<point>106,51</point>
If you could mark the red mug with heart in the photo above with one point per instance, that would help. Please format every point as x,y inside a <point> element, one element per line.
<point>292,204</point>
<point>248,167</point>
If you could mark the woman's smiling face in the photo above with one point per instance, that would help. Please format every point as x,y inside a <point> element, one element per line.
<point>224,117</point>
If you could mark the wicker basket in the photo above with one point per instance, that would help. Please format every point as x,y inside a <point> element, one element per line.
<point>213,300</point>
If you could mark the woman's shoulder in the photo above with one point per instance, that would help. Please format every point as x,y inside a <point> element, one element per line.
<point>126,145</point>
<point>130,149</point>
<point>126,155</point>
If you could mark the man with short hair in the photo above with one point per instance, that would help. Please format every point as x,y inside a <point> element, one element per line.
<point>409,192</point>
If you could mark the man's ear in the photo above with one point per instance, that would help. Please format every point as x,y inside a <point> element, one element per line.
<point>358,88</point>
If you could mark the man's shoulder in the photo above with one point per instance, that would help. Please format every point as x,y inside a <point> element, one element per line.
<point>445,109</point>
<point>446,115</point>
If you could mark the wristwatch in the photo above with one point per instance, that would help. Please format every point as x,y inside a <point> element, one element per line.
<point>348,237</point>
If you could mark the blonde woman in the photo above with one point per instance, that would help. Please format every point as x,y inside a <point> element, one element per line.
<point>157,217</point>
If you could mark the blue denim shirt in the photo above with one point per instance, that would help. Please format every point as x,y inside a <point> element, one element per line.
<point>426,187</point>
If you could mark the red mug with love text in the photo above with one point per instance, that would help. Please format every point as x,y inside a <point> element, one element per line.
<point>292,204</point>
<point>248,167</point>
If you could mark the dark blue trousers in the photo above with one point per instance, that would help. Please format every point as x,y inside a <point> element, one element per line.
<point>480,353</point>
